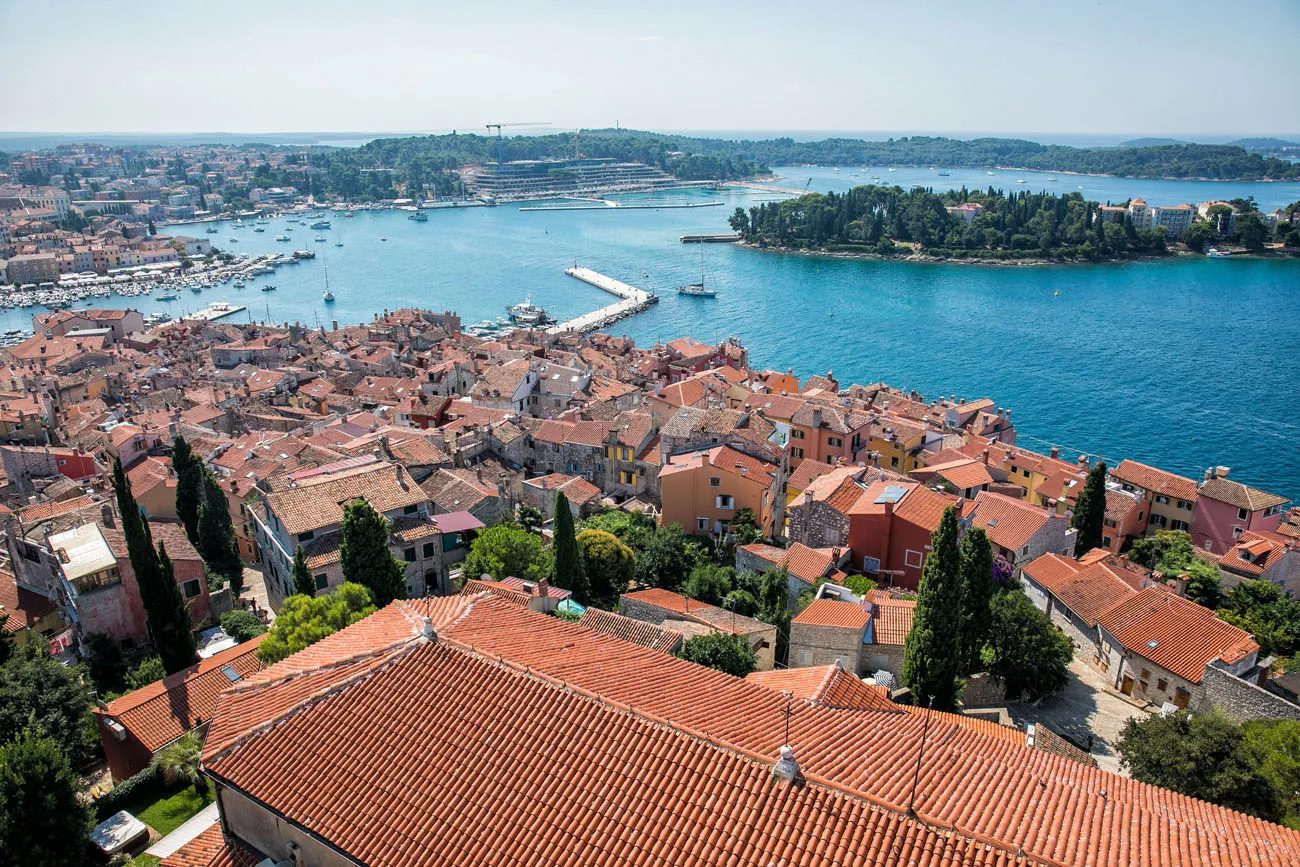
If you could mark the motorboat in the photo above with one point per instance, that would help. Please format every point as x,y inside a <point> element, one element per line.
<point>320,224</point>
<point>528,313</point>
<point>419,217</point>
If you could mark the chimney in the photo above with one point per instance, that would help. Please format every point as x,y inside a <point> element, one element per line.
<point>984,457</point>
<point>817,418</point>
<point>427,630</point>
<point>1055,451</point>
<point>106,515</point>
<point>787,768</point>
<point>1057,506</point>
<point>1083,462</point>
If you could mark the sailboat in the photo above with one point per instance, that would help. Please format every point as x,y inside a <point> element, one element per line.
<point>328,296</point>
<point>698,290</point>
<point>338,240</point>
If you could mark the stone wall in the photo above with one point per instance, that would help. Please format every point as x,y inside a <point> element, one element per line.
<point>1240,699</point>
<point>817,525</point>
<point>883,657</point>
<point>822,645</point>
<point>983,690</point>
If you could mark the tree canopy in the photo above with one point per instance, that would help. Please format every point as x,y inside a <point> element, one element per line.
<point>189,486</point>
<point>1090,511</point>
<point>569,573</point>
<point>40,693</point>
<point>303,582</point>
<point>304,620</point>
<point>504,551</point>
<point>1172,553</point>
<point>1025,651</point>
<point>720,651</point>
<point>43,819</point>
<point>365,556</point>
<point>977,590</point>
<point>608,563</point>
<point>666,560</point>
<point>1203,755</point>
<point>932,655</point>
<point>217,542</point>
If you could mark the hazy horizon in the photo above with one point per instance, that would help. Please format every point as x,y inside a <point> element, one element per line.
<point>408,67</point>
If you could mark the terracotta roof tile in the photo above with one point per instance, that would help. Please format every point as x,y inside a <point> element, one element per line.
<point>1175,633</point>
<point>1154,480</point>
<point>1239,495</point>
<point>211,849</point>
<point>636,631</point>
<point>1086,590</point>
<point>835,613</point>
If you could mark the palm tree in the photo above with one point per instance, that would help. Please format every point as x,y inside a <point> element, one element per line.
<point>179,760</point>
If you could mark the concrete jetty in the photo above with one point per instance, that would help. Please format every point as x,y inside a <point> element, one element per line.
<point>219,310</point>
<point>606,204</point>
<point>631,301</point>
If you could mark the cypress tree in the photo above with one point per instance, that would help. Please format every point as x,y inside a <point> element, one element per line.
<point>1090,511</point>
<point>164,607</point>
<point>303,583</point>
<point>189,486</point>
<point>365,557</point>
<point>977,588</point>
<point>932,655</point>
<point>569,573</point>
<point>217,541</point>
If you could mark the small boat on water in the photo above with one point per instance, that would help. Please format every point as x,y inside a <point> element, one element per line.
<point>320,224</point>
<point>945,174</point>
<point>267,288</point>
<point>528,313</point>
<point>697,290</point>
<point>197,289</point>
<point>1216,253</point>
<point>211,230</point>
<point>419,217</point>
<point>259,229</point>
<point>327,295</point>
<point>167,296</point>
<point>282,237</point>
<point>382,238</point>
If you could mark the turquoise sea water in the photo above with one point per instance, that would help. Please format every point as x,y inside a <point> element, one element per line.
<point>1181,364</point>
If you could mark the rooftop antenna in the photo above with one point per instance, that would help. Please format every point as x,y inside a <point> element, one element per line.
<point>916,777</point>
<point>788,712</point>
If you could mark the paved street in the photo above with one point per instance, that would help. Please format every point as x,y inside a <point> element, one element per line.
<point>1085,707</point>
<point>255,589</point>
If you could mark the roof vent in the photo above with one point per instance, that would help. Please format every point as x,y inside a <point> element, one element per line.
<point>786,767</point>
<point>427,630</point>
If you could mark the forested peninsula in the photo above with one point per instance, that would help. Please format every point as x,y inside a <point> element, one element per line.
<point>976,225</point>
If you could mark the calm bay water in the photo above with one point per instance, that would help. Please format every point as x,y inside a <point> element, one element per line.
<point>1181,364</point>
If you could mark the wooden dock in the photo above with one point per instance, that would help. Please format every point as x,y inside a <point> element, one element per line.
<point>710,239</point>
<point>631,301</point>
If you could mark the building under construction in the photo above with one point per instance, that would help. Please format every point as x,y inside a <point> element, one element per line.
<point>539,179</point>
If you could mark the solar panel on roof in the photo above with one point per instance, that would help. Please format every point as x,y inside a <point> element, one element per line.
<point>891,494</point>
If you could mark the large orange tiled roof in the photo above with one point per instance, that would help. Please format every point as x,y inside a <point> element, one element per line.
<point>161,712</point>
<point>1175,633</point>
<point>521,739</point>
<point>1086,590</point>
<point>1007,521</point>
<point>827,685</point>
<point>1155,480</point>
<point>211,849</point>
<point>318,501</point>
<point>835,613</point>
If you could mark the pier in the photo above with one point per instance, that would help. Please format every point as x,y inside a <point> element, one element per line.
<point>710,239</point>
<point>219,310</point>
<point>604,204</point>
<point>631,301</point>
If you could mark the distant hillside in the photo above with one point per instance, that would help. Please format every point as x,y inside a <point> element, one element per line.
<point>1151,142</point>
<point>1263,144</point>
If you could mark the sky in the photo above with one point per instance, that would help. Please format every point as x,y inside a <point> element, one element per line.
<point>1150,67</point>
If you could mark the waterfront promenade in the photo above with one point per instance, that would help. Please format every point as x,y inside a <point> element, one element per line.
<point>632,301</point>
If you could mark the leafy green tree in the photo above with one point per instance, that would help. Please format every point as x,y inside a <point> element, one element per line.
<point>164,606</point>
<point>305,620</point>
<point>217,542</point>
<point>1090,511</point>
<point>1198,235</point>
<point>1274,747</point>
<point>741,602</point>
<point>1204,587</point>
<point>506,551</point>
<point>241,625</point>
<point>1251,231</point>
<point>861,585</point>
<point>153,230</point>
<point>1260,608</point>
<point>718,650</point>
<point>1025,651</point>
<point>1203,755</point>
<point>189,486</point>
<point>745,529</point>
<point>150,670</point>
<point>43,819</point>
<point>709,583</point>
<point>7,641</point>
<point>977,590</point>
<point>666,560</point>
<point>569,573</point>
<point>633,529</point>
<point>774,609</point>
<point>530,518</point>
<point>179,761</point>
<point>932,653</point>
<point>40,693</point>
<point>608,564</point>
<point>303,582</point>
<point>364,554</point>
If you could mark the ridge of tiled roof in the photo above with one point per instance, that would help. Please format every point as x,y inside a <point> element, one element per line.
<point>1234,493</point>
<point>1154,479</point>
<point>573,696</point>
<point>625,628</point>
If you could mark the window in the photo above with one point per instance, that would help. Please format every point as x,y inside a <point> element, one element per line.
<point>1184,505</point>
<point>1162,499</point>
<point>715,481</point>
<point>191,588</point>
<point>795,433</point>
<point>627,454</point>
<point>626,478</point>
<point>322,581</point>
<point>1236,532</point>
<point>1242,514</point>
<point>307,537</point>
<point>701,525</point>
<point>724,501</point>
<point>805,658</point>
<point>893,463</point>
<point>408,554</point>
<point>913,559</point>
<point>428,549</point>
<point>834,441</point>
<point>796,452</point>
<point>409,510</point>
<point>609,452</point>
<point>871,564</point>
<point>1180,525</point>
<point>1105,541</point>
<point>1162,684</point>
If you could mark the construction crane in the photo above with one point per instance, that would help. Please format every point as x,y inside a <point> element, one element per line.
<point>498,126</point>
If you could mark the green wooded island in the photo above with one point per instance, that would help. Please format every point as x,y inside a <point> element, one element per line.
<point>989,225</point>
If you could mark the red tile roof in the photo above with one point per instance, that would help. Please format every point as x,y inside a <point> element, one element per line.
<point>1175,633</point>
<point>1007,521</point>
<point>1155,480</point>
<point>211,849</point>
<point>25,608</point>
<point>828,685</point>
<point>1087,591</point>
<point>636,631</point>
<point>893,620</point>
<point>555,744</point>
<point>1255,553</point>
<point>161,712</point>
<point>834,613</point>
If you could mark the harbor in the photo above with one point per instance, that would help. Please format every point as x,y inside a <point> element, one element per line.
<point>607,204</point>
<point>632,301</point>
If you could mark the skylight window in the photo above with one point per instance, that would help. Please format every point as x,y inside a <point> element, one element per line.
<point>230,673</point>
<point>1152,643</point>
